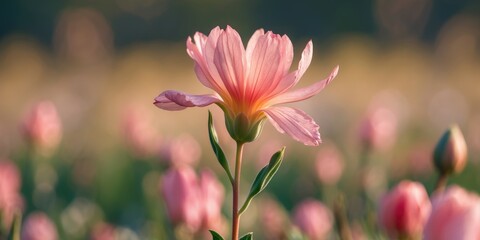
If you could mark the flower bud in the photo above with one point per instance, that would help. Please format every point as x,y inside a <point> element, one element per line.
<point>242,129</point>
<point>450,155</point>
<point>180,191</point>
<point>455,215</point>
<point>39,227</point>
<point>313,218</point>
<point>42,127</point>
<point>404,210</point>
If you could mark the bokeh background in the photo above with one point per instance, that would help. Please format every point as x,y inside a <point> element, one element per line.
<point>411,68</point>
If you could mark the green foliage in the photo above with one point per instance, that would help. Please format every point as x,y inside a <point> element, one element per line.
<point>248,236</point>
<point>212,134</point>
<point>215,235</point>
<point>264,177</point>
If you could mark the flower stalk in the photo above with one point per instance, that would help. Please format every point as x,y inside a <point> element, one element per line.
<point>236,189</point>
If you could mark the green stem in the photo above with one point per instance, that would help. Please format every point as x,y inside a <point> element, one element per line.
<point>236,187</point>
<point>441,182</point>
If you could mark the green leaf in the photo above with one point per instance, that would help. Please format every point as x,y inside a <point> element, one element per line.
<point>264,177</point>
<point>215,235</point>
<point>14,233</point>
<point>212,134</point>
<point>248,236</point>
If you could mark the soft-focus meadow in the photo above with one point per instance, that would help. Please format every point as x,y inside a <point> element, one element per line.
<point>96,170</point>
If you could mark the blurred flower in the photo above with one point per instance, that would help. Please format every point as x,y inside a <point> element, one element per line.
<point>179,189</point>
<point>182,150</point>
<point>103,231</point>
<point>313,218</point>
<point>43,128</point>
<point>195,203</point>
<point>455,216</point>
<point>450,155</point>
<point>329,165</point>
<point>212,194</point>
<point>138,131</point>
<point>11,201</point>
<point>404,211</point>
<point>38,226</point>
<point>379,129</point>
<point>273,219</point>
<point>249,82</point>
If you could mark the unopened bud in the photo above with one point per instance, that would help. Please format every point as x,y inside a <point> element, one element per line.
<point>450,155</point>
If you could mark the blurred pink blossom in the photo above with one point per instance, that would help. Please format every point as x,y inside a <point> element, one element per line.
<point>249,82</point>
<point>329,165</point>
<point>182,150</point>
<point>455,216</point>
<point>179,188</point>
<point>38,226</point>
<point>42,127</point>
<point>138,130</point>
<point>273,219</point>
<point>378,130</point>
<point>404,211</point>
<point>313,218</point>
<point>192,201</point>
<point>212,195</point>
<point>11,201</point>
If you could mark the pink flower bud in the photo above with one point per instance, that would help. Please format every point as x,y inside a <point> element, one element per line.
<point>183,150</point>
<point>182,197</point>
<point>329,165</point>
<point>403,211</point>
<point>450,155</point>
<point>42,127</point>
<point>39,227</point>
<point>455,215</point>
<point>379,129</point>
<point>313,218</point>
<point>212,198</point>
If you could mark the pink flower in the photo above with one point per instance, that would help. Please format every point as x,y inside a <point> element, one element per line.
<point>212,194</point>
<point>39,227</point>
<point>404,210</point>
<point>138,131</point>
<point>379,129</point>
<point>329,165</point>
<point>182,198</point>
<point>11,202</point>
<point>313,219</point>
<point>455,216</point>
<point>249,82</point>
<point>273,219</point>
<point>191,201</point>
<point>42,127</point>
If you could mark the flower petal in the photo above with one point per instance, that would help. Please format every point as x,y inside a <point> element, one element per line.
<point>270,56</point>
<point>295,123</point>
<point>303,93</point>
<point>230,61</point>
<point>174,100</point>
<point>292,79</point>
